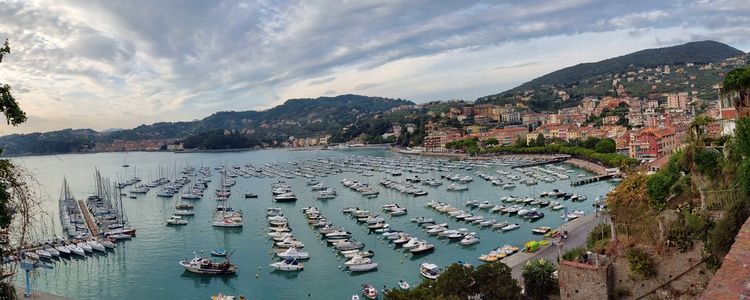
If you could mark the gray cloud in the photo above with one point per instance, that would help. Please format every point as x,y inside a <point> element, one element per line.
<point>165,60</point>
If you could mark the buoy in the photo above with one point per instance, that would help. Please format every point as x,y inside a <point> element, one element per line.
<point>256,275</point>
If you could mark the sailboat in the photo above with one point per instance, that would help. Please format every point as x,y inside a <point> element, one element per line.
<point>70,213</point>
<point>225,215</point>
<point>125,231</point>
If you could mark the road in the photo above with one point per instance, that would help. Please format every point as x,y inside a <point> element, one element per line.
<point>578,231</point>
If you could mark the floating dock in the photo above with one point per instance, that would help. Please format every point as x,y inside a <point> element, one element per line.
<point>590,179</point>
<point>89,220</point>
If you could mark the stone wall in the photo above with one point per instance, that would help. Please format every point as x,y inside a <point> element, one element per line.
<point>583,281</point>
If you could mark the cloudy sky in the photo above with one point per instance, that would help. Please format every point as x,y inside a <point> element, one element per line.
<point>118,64</point>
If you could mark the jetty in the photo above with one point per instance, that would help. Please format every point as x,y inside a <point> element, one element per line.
<point>591,179</point>
<point>89,220</point>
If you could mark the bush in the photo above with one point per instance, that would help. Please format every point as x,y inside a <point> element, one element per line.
<point>601,232</point>
<point>640,264</point>
<point>707,161</point>
<point>606,146</point>
<point>721,237</point>
<point>574,254</point>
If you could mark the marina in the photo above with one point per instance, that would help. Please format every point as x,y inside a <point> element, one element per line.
<point>374,202</point>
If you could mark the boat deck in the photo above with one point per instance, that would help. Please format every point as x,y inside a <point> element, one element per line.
<point>89,220</point>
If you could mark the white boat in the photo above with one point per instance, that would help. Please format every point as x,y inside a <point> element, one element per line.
<point>85,247</point>
<point>108,244</point>
<point>413,242</point>
<point>422,247</point>
<point>52,251</point>
<point>360,264</point>
<point>289,242</point>
<point>63,250</point>
<point>510,227</point>
<point>206,266</point>
<point>176,220</point>
<point>76,250</point>
<point>402,284</point>
<point>289,264</point>
<point>469,239</point>
<point>285,197</point>
<point>429,271</point>
<point>97,246</point>
<point>43,254</point>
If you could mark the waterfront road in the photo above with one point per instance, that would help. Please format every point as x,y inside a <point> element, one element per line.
<point>578,231</point>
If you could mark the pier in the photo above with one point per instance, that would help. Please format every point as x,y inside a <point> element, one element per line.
<point>555,160</point>
<point>590,179</point>
<point>89,220</point>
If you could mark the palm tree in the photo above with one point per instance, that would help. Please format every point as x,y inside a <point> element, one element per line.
<point>539,280</point>
<point>737,85</point>
<point>697,127</point>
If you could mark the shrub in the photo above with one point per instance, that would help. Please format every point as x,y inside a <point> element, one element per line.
<point>640,264</point>
<point>574,254</point>
<point>721,237</point>
<point>599,233</point>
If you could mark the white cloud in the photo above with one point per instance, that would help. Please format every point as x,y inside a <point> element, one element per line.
<point>123,63</point>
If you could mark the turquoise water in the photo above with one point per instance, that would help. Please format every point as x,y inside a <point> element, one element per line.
<point>146,267</point>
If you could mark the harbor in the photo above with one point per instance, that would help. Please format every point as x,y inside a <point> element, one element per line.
<point>389,190</point>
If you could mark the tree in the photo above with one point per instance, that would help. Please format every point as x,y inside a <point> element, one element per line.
<point>591,142</point>
<point>521,142</point>
<point>487,281</point>
<point>539,280</point>
<point>737,85</point>
<point>491,141</point>
<point>605,146</point>
<point>15,195</point>
<point>496,282</point>
<point>539,142</point>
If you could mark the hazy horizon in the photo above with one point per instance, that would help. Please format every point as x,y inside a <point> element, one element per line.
<point>121,64</point>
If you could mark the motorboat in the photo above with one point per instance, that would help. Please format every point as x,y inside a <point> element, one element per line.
<point>285,197</point>
<point>52,251</point>
<point>108,244</point>
<point>469,239</point>
<point>541,230</point>
<point>76,250</point>
<point>500,224</point>
<point>176,220</point>
<point>368,291</point>
<point>423,246</point>
<point>402,284</point>
<point>485,205</point>
<point>413,242</point>
<point>63,250</point>
<point>290,242</point>
<point>352,253</point>
<point>429,271</point>
<point>288,264</point>
<point>510,227</point>
<point>349,245</point>
<point>44,254</point>
<point>251,195</point>
<point>219,252</point>
<point>360,264</point>
<point>202,265</point>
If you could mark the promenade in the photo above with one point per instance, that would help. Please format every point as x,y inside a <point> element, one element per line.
<point>578,230</point>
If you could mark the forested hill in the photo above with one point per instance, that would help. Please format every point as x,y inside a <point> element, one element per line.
<point>583,75</point>
<point>295,117</point>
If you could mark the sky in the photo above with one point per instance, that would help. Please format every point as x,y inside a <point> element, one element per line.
<point>119,64</point>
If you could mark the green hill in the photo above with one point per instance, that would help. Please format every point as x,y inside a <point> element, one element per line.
<point>594,79</point>
<point>295,117</point>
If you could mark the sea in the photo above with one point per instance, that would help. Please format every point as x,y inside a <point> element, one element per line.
<point>146,267</point>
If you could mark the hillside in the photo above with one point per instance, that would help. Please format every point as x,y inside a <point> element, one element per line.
<point>295,117</point>
<point>595,79</point>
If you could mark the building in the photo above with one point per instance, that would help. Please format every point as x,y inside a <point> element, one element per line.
<point>678,100</point>
<point>650,144</point>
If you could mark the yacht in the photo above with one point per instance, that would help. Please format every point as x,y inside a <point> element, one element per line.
<point>469,239</point>
<point>176,220</point>
<point>422,247</point>
<point>285,197</point>
<point>360,264</point>
<point>97,246</point>
<point>429,271</point>
<point>510,227</point>
<point>288,264</point>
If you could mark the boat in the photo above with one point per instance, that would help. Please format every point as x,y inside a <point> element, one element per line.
<point>402,284</point>
<point>292,252</point>
<point>63,250</point>
<point>368,291</point>
<point>469,239</point>
<point>541,230</point>
<point>52,251</point>
<point>202,265</point>
<point>44,254</point>
<point>96,246</point>
<point>422,247</point>
<point>429,271</point>
<point>360,264</point>
<point>76,250</point>
<point>285,197</point>
<point>510,227</point>
<point>85,247</point>
<point>176,220</point>
<point>219,252</point>
<point>250,195</point>
<point>289,264</point>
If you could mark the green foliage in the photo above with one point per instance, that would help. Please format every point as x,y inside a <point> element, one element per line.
<point>520,142</point>
<point>721,236</point>
<point>606,146</point>
<point>708,161</point>
<point>737,81</point>
<point>539,280</point>
<point>539,141</point>
<point>491,142</point>
<point>687,228</point>
<point>8,104</point>
<point>488,281</point>
<point>662,183</point>
<point>591,142</point>
<point>574,254</point>
<point>217,139</point>
<point>600,234</point>
<point>741,141</point>
<point>640,264</point>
